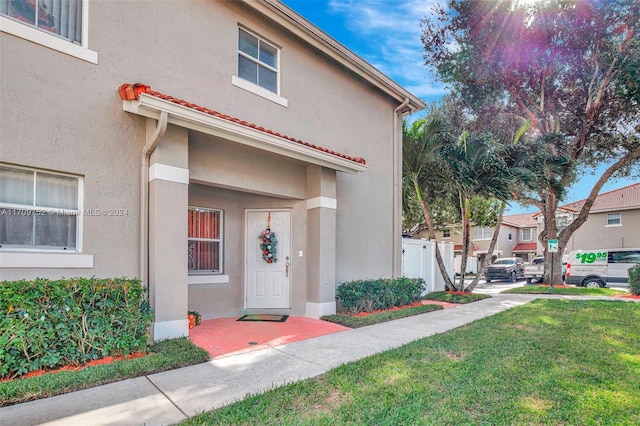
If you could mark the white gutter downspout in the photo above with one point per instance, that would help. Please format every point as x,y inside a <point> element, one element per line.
<point>150,146</point>
<point>397,187</point>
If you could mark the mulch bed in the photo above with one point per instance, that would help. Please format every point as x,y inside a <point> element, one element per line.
<point>101,361</point>
<point>557,285</point>
<point>629,296</point>
<point>412,305</point>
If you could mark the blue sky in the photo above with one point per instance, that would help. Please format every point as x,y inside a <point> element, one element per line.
<point>386,33</point>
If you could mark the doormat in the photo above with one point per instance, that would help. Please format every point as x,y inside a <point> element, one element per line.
<point>264,317</point>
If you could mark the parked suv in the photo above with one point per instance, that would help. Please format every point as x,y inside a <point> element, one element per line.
<point>505,269</point>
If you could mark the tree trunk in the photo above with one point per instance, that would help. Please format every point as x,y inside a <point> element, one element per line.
<point>551,230</point>
<point>464,209</point>
<point>432,235</point>
<point>492,246</point>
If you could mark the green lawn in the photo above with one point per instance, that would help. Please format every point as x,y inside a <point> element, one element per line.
<point>548,362</point>
<point>165,355</point>
<point>574,291</point>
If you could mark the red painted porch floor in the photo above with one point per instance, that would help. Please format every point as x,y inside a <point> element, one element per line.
<point>225,336</point>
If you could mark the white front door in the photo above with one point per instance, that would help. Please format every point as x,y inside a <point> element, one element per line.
<point>268,285</point>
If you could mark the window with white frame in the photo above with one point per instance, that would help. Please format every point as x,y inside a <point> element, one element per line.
<point>526,234</point>
<point>257,61</point>
<point>60,17</point>
<point>38,209</point>
<point>614,219</point>
<point>446,233</point>
<point>205,240</point>
<point>482,233</point>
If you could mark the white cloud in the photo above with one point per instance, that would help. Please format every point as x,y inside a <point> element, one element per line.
<point>393,30</point>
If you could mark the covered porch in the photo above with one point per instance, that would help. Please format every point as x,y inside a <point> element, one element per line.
<point>202,164</point>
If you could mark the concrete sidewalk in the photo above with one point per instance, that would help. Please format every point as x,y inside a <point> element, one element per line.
<point>173,396</point>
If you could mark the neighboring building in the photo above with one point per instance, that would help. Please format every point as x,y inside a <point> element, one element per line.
<point>613,222</point>
<point>249,117</point>
<point>518,237</point>
<point>521,235</point>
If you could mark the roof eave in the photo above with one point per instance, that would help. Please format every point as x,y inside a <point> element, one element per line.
<point>151,107</point>
<point>614,209</point>
<point>312,35</point>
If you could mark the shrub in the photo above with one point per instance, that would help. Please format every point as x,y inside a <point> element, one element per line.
<point>634,280</point>
<point>47,324</point>
<point>368,295</point>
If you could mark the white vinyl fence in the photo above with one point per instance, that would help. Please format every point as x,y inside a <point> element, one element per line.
<point>472,264</point>
<point>419,261</point>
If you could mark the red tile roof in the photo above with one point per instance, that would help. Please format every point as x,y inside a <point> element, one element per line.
<point>525,247</point>
<point>132,92</point>
<point>458,247</point>
<point>525,220</point>
<point>627,197</point>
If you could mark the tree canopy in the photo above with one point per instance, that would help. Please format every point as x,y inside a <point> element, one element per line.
<point>568,67</point>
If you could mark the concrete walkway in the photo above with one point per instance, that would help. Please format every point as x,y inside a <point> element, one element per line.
<point>173,396</point>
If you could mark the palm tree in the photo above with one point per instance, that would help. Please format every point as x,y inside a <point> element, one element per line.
<point>421,168</point>
<point>529,166</point>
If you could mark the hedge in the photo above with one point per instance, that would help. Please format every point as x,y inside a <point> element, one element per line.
<point>383,293</point>
<point>634,280</point>
<point>48,324</point>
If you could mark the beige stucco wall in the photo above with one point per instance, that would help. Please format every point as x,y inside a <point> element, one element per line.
<point>229,165</point>
<point>504,246</point>
<point>595,234</point>
<point>64,114</point>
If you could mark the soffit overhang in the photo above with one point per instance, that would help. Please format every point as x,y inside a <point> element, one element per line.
<point>141,100</point>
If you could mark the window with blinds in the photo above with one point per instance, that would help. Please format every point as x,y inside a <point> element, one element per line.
<point>60,17</point>
<point>38,209</point>
<point>205,240</point>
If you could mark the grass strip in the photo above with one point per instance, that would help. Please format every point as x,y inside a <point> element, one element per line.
<point>572,291</point>
<point>362,321</point>
<point>445,296</point>
<point>547,362</point>
<point>165,355</point>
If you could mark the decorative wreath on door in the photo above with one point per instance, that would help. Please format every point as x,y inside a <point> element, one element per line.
<point>268,243</point>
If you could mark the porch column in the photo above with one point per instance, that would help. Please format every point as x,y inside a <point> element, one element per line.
<point>168,204</point>
<point>321,241</point>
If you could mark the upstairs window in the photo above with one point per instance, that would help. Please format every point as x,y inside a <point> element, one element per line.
<point>257,61</point>
<point>38,209</point>
<point>205,240</point>
<point>614,219</point>
<point>60,17</point>
<point>446,233</point>
<point>526,234</point>
<point>482,233</point>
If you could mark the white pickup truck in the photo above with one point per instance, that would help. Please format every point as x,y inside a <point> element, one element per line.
<point>534,270</point>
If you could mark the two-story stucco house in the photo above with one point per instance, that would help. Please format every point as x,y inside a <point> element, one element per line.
<point>613,221</point>
<point>518,237</point>
<point>161,140</point>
